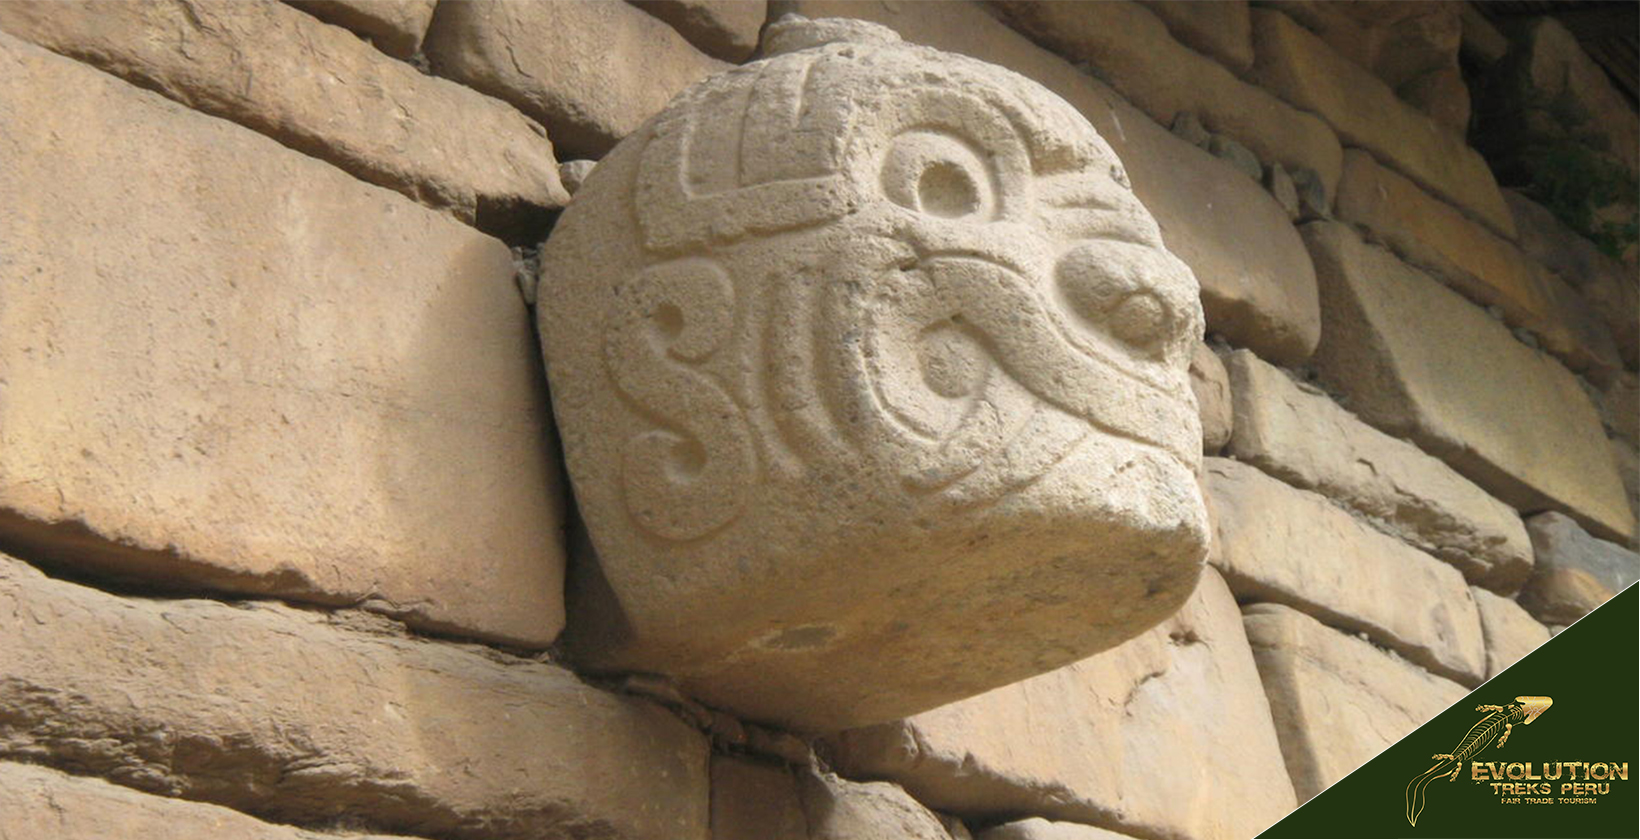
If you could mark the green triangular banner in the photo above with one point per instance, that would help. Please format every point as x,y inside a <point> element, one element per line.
<point>1529,787</point>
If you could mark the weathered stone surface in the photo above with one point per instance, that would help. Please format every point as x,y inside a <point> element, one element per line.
<point>1432,234</point>
<point>1082,743</point>
<point>1442,95</point>
<point>1128,47</point>
<point>812,471</point>
<point>1303,70</point>
<point>757,800</point>
<point>1626,457</point>
<point>1282,189</point>
<point>1418,361</point>
<point>1037,828</point>
<point>321,91</point>
<point>396,27</point>
<point>1574,332</point>
<point>1212,388</point>
<point>1609,286</point>
<point>1309,441</point>
<point>574,173</point>
<point>1257,286</point>
<point>1237,155</point>
<point>725,29</point>
<point>36,802</point>
<point>1221,30</point>
<point>282,714</point>
<point>263,375</point>
<point>1510,631</point>
<point>1283,545</point>
<point>1337,701</point>
<point>1575,571</point>
<point>591,72</point>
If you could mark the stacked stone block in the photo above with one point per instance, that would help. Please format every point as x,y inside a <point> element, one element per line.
<point>272,414</point>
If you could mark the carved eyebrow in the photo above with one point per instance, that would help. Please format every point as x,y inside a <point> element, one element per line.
<point>1080,189</point>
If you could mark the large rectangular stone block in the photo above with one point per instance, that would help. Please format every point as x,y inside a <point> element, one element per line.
<point>758,800</point>
<point>284,714</point>
<point>322,91</point>
<point>1279,544</point>
<point>725,29</point>
<point>230,365</point>
<point>1337,700</point>
<point>1418,361</point>
<point>1221,29</point>
<point>1300,68</point>
<point>1308,441</point>
<point>1510,631</point>
<point>37,803</point>
<point>1481,265</point>
<point>1609,287</point>
<point>1258,289</point>
<point>1090,743</point>
<point>1129,47</point>
<point>590,72</point>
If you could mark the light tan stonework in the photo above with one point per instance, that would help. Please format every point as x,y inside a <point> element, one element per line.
<point>287,715</point>
<point>1308,441</point>
<point>1337,700</point>
<point>1221,30</point>
<point>758,800</point>
<point>1081,743</point>
<point>844,392</point>
<point>260,375</point>
<point>1037,828</point>
<point>37,803</point>
<point>321,91</point>
<point>396,27</point>
<point>1303,70</point>
<point>1257,286</point>
<point>725,29</point>
<point>1418,361</point>
<point>590,71</point>
<point>1283,545</point>
<point>1511,632</point>
<point>1212,386</point>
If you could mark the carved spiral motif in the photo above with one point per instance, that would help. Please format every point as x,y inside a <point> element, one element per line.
<point>687,478</point>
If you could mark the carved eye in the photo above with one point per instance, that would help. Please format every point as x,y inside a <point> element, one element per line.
<point>1106,284</point>
<point>938,175</point>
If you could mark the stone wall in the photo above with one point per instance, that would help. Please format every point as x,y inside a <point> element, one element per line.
<point>285,525</point>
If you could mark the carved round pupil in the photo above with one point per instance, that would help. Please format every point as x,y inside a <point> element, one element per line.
<point>945,190</point>
<point>953,363</point>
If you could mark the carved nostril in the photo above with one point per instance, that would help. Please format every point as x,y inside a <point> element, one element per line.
<point>1141,320</point>
<point>1092,283</point>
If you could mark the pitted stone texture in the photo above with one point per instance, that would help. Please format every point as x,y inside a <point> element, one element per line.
<point>1212,387</point>
<point>1303,70</point>
<point>1221,29</point>
<point>591,72</point>
<point>263,375</point>
<point>1127,46</point>
<point>1309,441</point>
<point>321,91</point>
<point>1627,459</point>
<point>1609,287</point>
<point>1510,631</point>
<point>1482,44</point>
<point>396,27</point>
<point>36,802</point>
<point>756,800</point>
<point>1337,701</point>
<point>1575,571</point>
<point>1082,743</point>
<point>1257,286</point>
<point>1037,828</point>
<point>283,714</point>
<point>1418,361</point>
<point>1278,544</point>
<point>885,365</point>
<point>725,29</point>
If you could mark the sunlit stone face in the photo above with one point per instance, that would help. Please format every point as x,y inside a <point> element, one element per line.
<point>871,375</point>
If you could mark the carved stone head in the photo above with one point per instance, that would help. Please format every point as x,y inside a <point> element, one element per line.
<point>871,376</point>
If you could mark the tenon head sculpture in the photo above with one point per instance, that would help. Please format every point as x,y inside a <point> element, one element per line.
<point>870,372</point>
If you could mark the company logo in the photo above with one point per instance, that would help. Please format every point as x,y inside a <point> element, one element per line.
<point>1492,730</point>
